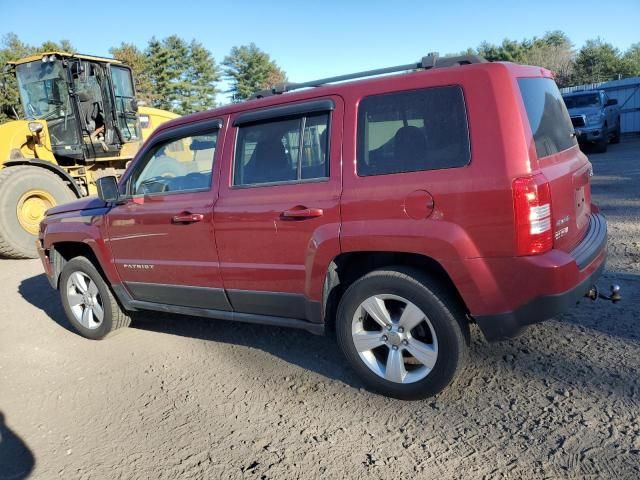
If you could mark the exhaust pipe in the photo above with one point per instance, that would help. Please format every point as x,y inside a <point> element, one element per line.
<point>613,297</point>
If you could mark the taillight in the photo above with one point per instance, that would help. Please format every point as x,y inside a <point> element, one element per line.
<point>532,206</point>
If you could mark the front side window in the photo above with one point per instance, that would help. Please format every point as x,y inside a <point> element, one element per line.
<point>283,150</point>
<point>412,131</point>
<point>181,165</point>
<point>548,117</point>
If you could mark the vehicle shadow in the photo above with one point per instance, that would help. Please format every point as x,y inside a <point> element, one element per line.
<point>319,354</point>
<point>37,291</point>
<point>16,459</point>
<point>311,352</point>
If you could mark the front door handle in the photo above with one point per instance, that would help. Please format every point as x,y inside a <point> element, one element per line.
<point>299,213</point>
<point>186,217</point>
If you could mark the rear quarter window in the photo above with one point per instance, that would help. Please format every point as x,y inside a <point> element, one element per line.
<point>412,131</point>
<point>548,117</point>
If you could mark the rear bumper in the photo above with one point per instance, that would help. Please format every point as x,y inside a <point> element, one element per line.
<point>586,263</point>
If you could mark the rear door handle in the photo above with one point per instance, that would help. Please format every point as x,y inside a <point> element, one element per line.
<point>301,213</point>
<point>186,217</point>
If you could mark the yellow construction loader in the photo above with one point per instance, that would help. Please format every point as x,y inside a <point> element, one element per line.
<point>82,121</point>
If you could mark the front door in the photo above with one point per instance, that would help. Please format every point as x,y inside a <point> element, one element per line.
<point>162,238</point>
<point>277,218</point>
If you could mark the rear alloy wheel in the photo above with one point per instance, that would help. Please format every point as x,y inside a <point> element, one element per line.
<point>394,338</point>
<point>88,302</point>
<point>403,332</point>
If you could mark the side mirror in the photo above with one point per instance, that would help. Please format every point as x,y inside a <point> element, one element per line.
<point>134,105</point>
<point>611,101</point>
<point>108,189</point>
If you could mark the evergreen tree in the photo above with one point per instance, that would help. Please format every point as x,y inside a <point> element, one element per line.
<point>202,75</point>
<point>159,74</point>
<point>131,55</point>
<point>598,61</point>
<point>632,59</point>
<point>249,69</point>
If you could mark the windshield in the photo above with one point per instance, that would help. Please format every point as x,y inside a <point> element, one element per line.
<point>43,90</point>
<point>45,95</point>
<point>582,101</point>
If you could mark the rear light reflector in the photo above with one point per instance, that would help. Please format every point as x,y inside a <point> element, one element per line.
<point>532,209</point>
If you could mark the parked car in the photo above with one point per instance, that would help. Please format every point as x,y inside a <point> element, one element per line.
<point>393,210</point>
<point>595,118</point>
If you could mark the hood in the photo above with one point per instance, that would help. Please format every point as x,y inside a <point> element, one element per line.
<point>584,111</point>
<point>86,203</point>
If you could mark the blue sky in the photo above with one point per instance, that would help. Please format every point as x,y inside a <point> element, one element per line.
<point>326,37</point>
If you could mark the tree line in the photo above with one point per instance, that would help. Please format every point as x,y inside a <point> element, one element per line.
<point>175,74</point>
<point>596,61</point>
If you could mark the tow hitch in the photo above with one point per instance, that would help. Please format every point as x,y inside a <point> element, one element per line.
<point>614,297</point>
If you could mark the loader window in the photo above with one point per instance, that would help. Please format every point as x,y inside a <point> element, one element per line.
<point>126,108</point>
<point>45,96</point>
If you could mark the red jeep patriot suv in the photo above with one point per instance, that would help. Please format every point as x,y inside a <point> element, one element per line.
<point>394,210</point>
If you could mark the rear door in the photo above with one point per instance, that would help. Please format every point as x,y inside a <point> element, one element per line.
<point>564,166</point>
<point>162,239</point>
<point>277,218</point>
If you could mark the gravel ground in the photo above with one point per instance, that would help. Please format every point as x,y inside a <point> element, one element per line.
<point>196,398</point>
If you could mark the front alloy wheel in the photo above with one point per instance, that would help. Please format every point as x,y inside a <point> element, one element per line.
<point>84,300</point>
<point>91,307</point>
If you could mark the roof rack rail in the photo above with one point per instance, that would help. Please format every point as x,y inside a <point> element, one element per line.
<point>431,60</point>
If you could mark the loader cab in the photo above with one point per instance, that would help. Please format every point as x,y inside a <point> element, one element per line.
<point>88,104</point>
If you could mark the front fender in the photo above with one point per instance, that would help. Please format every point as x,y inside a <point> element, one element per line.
<point>84,227</point>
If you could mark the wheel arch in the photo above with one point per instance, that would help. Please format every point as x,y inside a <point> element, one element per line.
<point>346,268</point>
<point>60,253</point>
<point>52,167</point>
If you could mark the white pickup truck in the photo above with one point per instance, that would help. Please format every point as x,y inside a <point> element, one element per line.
<point>595,117</point>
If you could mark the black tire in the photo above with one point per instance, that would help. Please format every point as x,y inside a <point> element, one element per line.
<point>114,317</point>
<point>600,146</point>
<point>15,241</point>
<point>440,306</point>
<point>616,134</point>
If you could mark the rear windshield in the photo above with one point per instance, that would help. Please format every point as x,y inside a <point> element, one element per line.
<point>548,117</point>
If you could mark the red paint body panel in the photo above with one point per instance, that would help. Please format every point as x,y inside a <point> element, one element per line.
<point>261,250</point>
<point>466,223</point>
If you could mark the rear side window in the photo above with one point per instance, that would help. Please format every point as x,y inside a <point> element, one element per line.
<point>283,150</point>
<point>548,116</point>
<point>411,131</point>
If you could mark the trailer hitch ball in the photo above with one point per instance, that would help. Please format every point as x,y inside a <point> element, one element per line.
<point>615,293</point>
<point>614,297</point>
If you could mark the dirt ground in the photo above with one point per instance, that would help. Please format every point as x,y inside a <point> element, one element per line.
<point>194,398</point>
